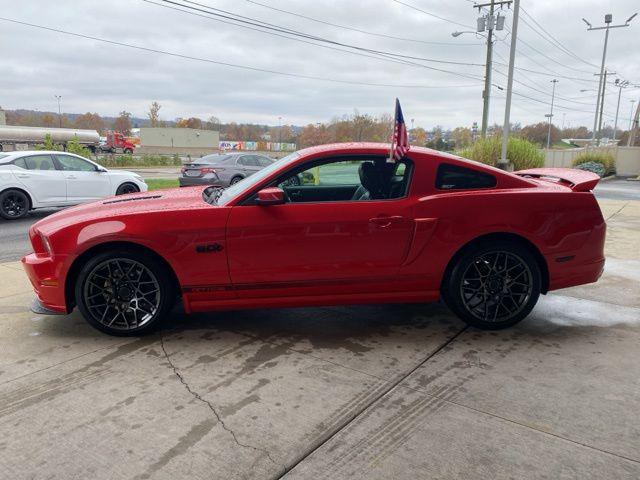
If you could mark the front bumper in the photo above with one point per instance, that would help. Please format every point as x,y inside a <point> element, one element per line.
<point>48,283</point>
<point>191,181</point>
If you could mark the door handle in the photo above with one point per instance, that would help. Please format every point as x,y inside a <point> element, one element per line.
<point>72,177</point>
<point>23,175</point>
<point>386,221</point>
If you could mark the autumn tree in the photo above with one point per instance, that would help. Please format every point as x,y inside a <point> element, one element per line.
<point>89,121</point>
<point>461,137</point>
<point>537,133</point>
<point>212,123</point>
<point>418,136</point>
<point>191,122</point>
<point>154,114</point>
<point>122,124</point>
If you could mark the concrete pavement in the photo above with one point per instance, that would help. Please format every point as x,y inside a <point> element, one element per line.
<point>364,392</point>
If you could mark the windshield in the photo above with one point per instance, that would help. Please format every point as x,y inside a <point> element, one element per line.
<point>249,182</point>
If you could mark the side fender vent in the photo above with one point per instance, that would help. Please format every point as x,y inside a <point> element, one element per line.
<point>132,199</point>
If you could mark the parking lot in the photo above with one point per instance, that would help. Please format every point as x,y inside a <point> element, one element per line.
<point>398,391</point>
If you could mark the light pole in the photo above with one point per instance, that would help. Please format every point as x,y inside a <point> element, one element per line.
<point>631,114</point>
<point>620,84</point>
<point>279,129</point>
<point>553,96</point>
<point>59,97</point>
<point>608,18</point>
<point>503,163</point>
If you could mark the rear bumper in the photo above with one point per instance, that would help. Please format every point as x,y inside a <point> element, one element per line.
<point>48,284</point>
<point>578,274</point>
<point>191,181</point>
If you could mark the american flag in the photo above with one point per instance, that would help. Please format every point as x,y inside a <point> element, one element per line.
<point>400,140</point>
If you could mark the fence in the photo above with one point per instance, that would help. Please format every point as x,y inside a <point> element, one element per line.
<point>627,158</point>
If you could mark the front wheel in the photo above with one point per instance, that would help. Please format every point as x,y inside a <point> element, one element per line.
<point>127,188</point>
<point>14,204</point>
<point>124,292</point>
<point>493,286</point>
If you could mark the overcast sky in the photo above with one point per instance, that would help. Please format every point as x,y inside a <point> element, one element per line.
<point>98,77</point>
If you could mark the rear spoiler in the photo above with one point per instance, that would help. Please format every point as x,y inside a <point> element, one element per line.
<point>577,180</point>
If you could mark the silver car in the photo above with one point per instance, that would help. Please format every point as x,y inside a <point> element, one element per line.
<point>222,169</point>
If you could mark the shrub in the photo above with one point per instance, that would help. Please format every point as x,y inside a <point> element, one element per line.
<point>605,159</point>
<point>521,153</point>
<point>74,146</point>
<point>49,144</point>
<point>595,167</point>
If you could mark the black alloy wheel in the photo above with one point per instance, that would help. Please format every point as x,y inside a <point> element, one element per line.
<point>127,188</point>
<point>494,286</point>
<point>124,292</point>
<point>14,204</point>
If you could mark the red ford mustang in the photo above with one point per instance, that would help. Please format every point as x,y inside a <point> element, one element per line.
<point>335,224</point>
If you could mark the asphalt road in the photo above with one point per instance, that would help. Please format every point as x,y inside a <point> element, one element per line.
<point>14,241</point>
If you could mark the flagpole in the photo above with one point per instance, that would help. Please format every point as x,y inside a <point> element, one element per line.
<point>395,116</point>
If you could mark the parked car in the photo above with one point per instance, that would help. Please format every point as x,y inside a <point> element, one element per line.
<point>37,179</point>
<point>432,225</point>
<point>222,169</point>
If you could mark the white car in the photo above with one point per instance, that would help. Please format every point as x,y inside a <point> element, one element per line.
<point>37,179</point>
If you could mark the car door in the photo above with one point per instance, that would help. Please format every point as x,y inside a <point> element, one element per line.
<point>249,164</point>
<point>38,173</point>
<point>319,247</point>
<point>84,181</point>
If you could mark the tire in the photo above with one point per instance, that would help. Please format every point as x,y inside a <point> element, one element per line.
<point>235,180</point>
<point>128,151</point>
<point>493,285</point>
<point>14,204</point>
<point>126,188</point>
<point>124,292</point>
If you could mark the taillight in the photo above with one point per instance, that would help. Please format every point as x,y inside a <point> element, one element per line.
<point>183,169</point>
<point>207,170</point>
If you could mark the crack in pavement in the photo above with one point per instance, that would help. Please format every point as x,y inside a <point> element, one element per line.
<point>198,397</point>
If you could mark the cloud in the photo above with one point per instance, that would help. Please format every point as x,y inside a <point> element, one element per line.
<point>93,76</point>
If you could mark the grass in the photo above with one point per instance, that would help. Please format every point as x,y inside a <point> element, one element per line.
<point>521,153</point>
<point>111,161</point>
<point>162,183</point>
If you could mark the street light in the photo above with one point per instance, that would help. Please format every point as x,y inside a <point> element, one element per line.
<point>608,18</point>
<point>59,97</point>
<point>620,84</point>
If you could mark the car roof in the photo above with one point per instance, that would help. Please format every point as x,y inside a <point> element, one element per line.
<point>10,156</point>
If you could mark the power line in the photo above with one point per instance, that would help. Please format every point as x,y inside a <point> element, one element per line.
<point>434,15</point>
<point>377,54</point>
<point>354,29</point>
<point>553,40</point>
<point>226,64</point>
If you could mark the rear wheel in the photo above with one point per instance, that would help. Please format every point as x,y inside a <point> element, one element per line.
<point>14,204</point>
<point>127,188</point>
<point>128,151</point>
<point>124,292</point>
<point>235,180</point>
<point>494,286</point>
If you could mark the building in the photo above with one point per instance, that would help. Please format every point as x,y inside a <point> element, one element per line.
<point>181,141</point>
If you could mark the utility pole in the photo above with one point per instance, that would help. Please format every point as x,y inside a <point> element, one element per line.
<point>620,84</point>
<point>604,89</point>
<point>608,18</point>
<point>503,163</point>
<point>59,97</point>
<point>631,114</point>
<point>634,128</point>
<point>553,96</point>
<point>488,22</point>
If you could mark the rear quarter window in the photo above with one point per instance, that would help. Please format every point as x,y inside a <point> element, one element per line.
<point>454,177</point>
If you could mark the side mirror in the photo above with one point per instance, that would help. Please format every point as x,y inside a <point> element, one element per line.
<point>102,170</point>
<point>270,196</point>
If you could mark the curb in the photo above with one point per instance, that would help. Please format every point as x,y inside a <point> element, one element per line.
<point>605,179</point>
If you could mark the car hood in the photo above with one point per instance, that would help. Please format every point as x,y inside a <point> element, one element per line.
<point>180,199</point>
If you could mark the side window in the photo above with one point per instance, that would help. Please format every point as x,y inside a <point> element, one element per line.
<point>37,162</point>
<point>20,162</point>
<point>243,161</point>
<point>453,177</point>
<point>264,161</point>
<point>347,180</point>
<point>69,163</point>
